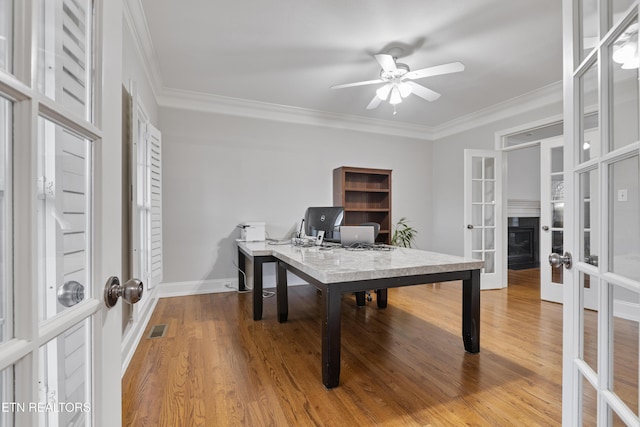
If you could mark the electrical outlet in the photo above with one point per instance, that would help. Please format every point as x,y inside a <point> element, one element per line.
<point>622,195</point>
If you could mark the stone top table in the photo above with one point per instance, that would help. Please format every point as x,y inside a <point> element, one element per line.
<point>337,271</point>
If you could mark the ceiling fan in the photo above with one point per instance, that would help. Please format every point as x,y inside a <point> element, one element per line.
<point>399,82</point>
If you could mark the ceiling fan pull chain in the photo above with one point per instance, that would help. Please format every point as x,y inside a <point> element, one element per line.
<point>394,110</point>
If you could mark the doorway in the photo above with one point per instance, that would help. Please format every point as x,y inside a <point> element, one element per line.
<point>531,206</point>
<point>523,208</point>
<point>534,200</point>
<point>535,207</point>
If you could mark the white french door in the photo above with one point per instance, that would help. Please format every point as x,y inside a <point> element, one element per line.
<point>483,214</point>
<point>551,216</point>
<point>601,350</point>
<point>60,185</point>
<point>552,221</point>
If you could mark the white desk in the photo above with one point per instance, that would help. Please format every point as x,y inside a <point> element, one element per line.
<point>339,271</point>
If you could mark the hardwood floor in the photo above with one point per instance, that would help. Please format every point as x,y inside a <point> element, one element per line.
<point>401,366</point>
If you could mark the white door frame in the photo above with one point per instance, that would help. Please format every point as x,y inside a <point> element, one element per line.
<point>499,145</point>
<point>108,387</point>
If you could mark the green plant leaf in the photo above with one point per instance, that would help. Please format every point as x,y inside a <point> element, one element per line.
<point>403,234</point>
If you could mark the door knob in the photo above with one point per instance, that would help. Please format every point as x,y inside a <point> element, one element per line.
<point>545,227</point>
<point>71,293</point>
<point>592,259</point>
<point>470,227</point>
<point>558,261</point>
<point>131,291</point>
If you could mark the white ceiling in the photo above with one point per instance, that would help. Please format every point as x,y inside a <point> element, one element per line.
<point>290,52</point>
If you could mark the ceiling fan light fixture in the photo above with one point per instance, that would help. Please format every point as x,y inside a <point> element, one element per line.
<point>393,74</point>
<point>383,92</point>
<point>632,63</point>
<point>625,52</point>
<point>405,89</point>
<point>396,98</point>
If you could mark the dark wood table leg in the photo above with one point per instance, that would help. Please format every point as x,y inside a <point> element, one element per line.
<point>360,298</point>
<point>241,271</point>
<point>381,298</point>
<point>257,288</point>
<point>282,297</point>
<point>331,298</point>
<point>471,312</point>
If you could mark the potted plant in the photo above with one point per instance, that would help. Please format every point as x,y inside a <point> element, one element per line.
<point>403,234</point>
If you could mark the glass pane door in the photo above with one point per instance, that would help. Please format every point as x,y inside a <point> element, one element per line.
<point>59,239</point>
<point>551,216</point>
<point>484,223</point>
<point>602,206</point>
<point>64,162</point>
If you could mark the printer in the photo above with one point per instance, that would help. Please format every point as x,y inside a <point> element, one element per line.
<point>252,231</point>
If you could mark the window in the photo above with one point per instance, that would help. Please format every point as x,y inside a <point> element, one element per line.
<point>147,207</point>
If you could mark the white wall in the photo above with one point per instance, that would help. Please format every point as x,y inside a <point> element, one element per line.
<point>448,173</point>
<point>524,174</point>
<point>133,70</point>
<point>222,170</point>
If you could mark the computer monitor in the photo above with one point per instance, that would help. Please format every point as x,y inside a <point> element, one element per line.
<point>328,219</point>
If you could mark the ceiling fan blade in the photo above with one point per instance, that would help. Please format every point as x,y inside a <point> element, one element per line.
<point>453,67</point>
<point>367,82</point>
<point>423,92</point>
<point>374,103</point>
<point>383,91</point>
<point>386,62</point>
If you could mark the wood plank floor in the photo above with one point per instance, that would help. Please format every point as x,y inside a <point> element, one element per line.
<point>401,366</point>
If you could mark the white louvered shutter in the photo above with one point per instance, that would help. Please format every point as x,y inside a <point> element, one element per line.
<point>146,185</point>
<point>66,57</point>
<point>154,146</point>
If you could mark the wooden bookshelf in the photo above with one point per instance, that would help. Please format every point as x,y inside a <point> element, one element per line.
<point>365,195</point>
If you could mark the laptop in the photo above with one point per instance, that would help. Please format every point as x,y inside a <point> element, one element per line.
<point>353,235</point>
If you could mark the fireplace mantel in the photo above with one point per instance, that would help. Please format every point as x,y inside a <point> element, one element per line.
<point>523,208</point>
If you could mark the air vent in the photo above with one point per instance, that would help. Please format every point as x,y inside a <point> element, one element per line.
<point>158,331</point>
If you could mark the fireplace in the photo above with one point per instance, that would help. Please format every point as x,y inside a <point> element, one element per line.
<point>523,243</point>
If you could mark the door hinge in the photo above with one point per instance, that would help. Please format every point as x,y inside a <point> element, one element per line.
<point>46,189</point>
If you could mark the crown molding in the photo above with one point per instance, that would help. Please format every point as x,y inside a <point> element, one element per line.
<point>529,101</point>
<point>197,101</point>
<point>137,21</point>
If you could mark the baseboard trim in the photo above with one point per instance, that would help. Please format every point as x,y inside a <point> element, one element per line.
<point>626,310</point>
<point>212,286</point>
<point>133,336</point>
<point>196,287</point>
